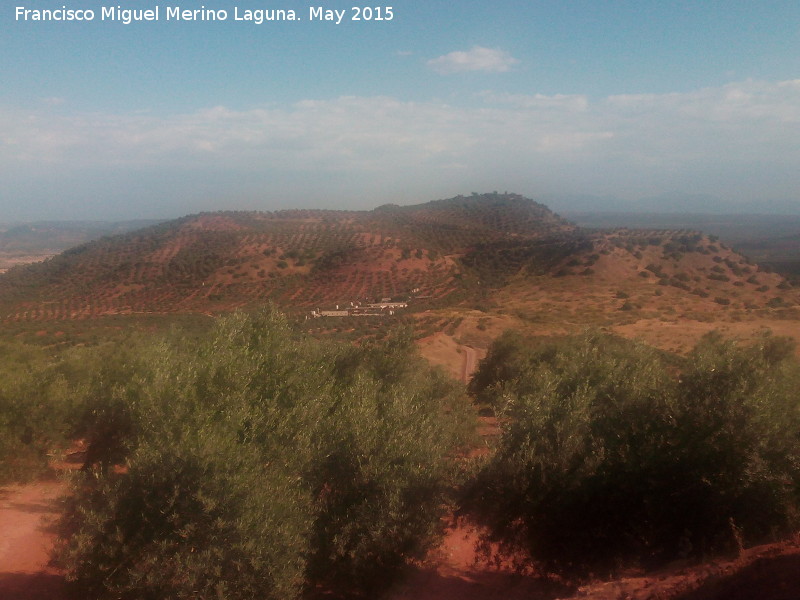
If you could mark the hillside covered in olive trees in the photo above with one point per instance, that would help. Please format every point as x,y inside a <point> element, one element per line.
<point>452,252</point>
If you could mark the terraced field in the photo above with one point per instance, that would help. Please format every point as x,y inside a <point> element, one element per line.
<point>441,253</point>
<point>298,258</point>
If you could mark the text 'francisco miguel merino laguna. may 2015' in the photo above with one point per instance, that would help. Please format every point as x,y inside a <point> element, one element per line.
<point>256,16</point>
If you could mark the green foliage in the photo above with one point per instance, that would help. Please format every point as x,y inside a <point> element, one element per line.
<point>684,277</point>
<point>39,401</point>
<point>606,459</point>
<point>55,387</point>
<point>494,262</point>
<point>775,302</point>
<point>259,463</point>
<point>195,517</point>
<point>504,362</point>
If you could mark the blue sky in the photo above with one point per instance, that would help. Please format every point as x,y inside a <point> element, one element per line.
<point>563,99</point>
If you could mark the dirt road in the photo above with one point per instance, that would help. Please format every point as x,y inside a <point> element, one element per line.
<point>470,362</point>
<point>26,514</point>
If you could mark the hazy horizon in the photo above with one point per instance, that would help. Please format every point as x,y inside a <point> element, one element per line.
<point>580,105</point>
<point>665,206</point>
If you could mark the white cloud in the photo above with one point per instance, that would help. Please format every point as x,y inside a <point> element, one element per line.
<point>491,60</point>
<point>576,102</point>
<point>737,140</point>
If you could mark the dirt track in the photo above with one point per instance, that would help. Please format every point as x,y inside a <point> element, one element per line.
<point>26,512</point>
<point>470,362</point>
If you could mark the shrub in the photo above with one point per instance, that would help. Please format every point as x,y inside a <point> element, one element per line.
<point>43,400</point>
<point>775,302</point>
<point>263,463</point>
<point>654,268</point>
<point>679,284</point>
<point>193,517</point>
<point>29,422</point>
<point>504,362</point>
<point>684,277</point>
<point>606,460</point>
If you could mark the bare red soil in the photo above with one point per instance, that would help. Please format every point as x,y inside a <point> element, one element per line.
<point>767,578</point>
<point>454,571</point>
<point>26,538</point>
<point>767,572</point>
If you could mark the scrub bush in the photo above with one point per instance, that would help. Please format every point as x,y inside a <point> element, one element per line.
<point>611,456</point>
<point>38,404</point>
<point>262,464</point>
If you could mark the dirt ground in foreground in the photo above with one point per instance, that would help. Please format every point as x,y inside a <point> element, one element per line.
<point>767,572</point>
<point>26,538</point>
<point>451,572</point>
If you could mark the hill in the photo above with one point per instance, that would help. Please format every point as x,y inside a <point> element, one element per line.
<point>491,250</point>
<point>32,242</point>
<point>769,239</point>
<point>479,263</point>
<point>298,258</point>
